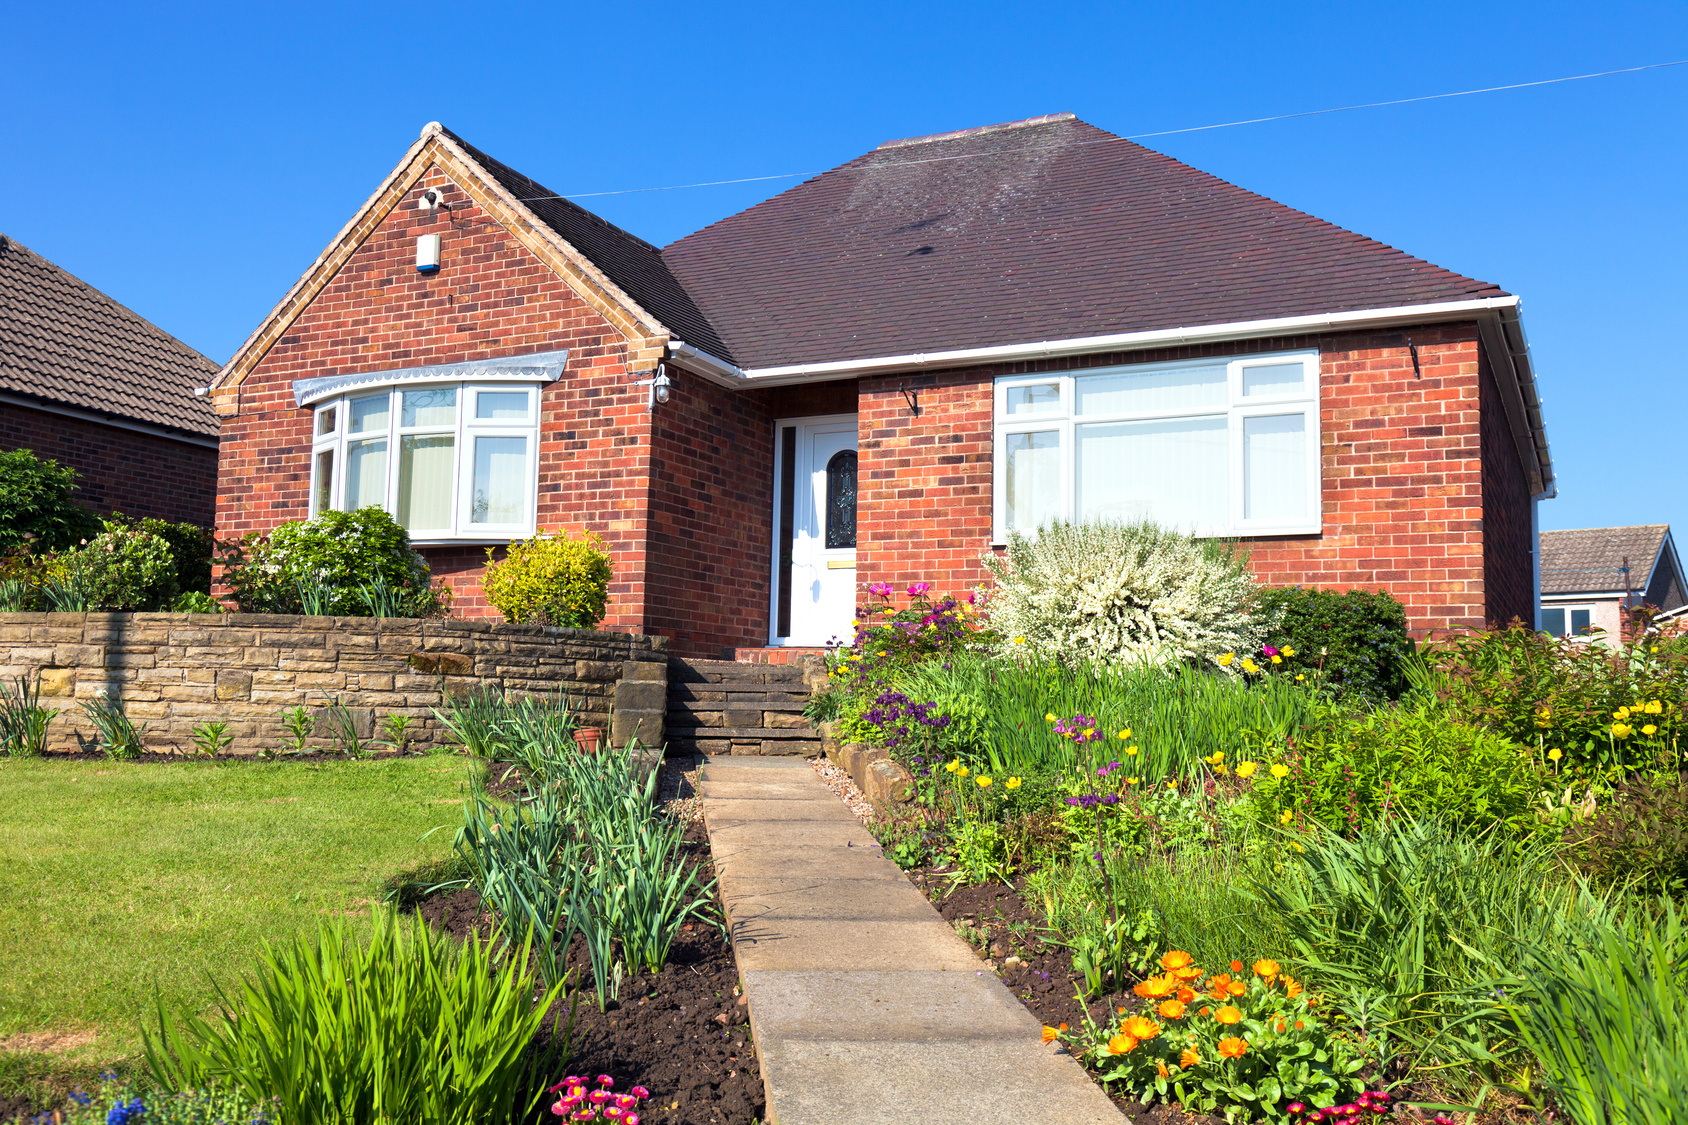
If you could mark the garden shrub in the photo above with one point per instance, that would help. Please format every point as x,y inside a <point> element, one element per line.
<point>1592,711</point>
<point>1352,769</point>
<point>331,565</point>
<point>193,601</point>
<point>36,505</point>
<point>1121,593</point>
<point>122,568</point>
<point>550,580</point>
<point>191,547</point>
<point>1354,644</point>
<point>1640,840</point>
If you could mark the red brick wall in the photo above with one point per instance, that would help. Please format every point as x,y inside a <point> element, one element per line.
<point>491,297</point>
<point>1401,469</point>
<point>1508,575</point>
<point>120,470</point>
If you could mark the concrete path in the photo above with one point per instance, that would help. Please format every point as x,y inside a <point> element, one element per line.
<point>865,1006</point>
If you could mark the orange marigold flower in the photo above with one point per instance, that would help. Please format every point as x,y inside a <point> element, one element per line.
<point>1186,993</point>
<point>1237,988</point>
<point>1236,966</point>
<point>1188,972</point>
<point>1227,1015</point>
<point>1050,1034</point>
<point>1156,987</point>
<point>1233,1047</point>
<point>1266,967</point>
<point>1141,1027</point>
<point>1175,959</point>
<point>1171,1009</point>
<point>1206,1010</point>
<point>1292,987</point>
<point>1063,1027</point>
<point>1189,1057</point>
<point>1160,1068</point>
<point>1299,1025</point>
<point>1121,1045</point>
<point>1220,986</point>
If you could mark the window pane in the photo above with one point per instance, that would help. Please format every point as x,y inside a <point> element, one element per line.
<point>495,405</point>
<point>369,414</point>
<point>1034,480</point>
<point>1553,621</point>
<point>325,422</point>
<point>1045,398</point>
<point>1579,622</point>
<point>841,499</point>
<point>425,465</point>
<point>1274,379</point>
<point>323,498</point>
<point>1275,467</point>
<point>500,480</point>
<point>1140,390</point>
<point>428,408</point>
<point>366,475</point>
<point>1173,472</point>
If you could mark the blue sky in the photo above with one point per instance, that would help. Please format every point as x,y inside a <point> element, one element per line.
<point>192,161</point>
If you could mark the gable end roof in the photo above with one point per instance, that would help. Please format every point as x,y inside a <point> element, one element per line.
<point>64,343</point>
<point>1590,560</point>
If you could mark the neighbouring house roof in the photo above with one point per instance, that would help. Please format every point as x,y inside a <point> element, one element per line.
<point>65,343</point>
<point>1590,560</point>
<point>1039,230</point>
<point>629,261</point>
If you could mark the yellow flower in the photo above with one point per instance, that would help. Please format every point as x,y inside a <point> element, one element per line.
<point>1131,751</point>
<point>1089,732</point>
<point>1287,816</point>
<point>1277,660</point>
<point>952,767</point>
<point>1246,769</point>
<point>1621,714</point>
<point>1621,730</point>
<point>1544,717</point>
<point>1019,640</point>
<point>1124,734</point>
<point>1225,659</point>
<point>961,771</point>
<point>1049,718</point>
<point>1012,783</point>
<point>1172,785</point>
<point>1287,651</point>
<point>1250,666</point>
<point>1215,758</point>
<point>1280,770</point>
<point>1555,754</point>
<point>1221,770</point>
<point>982,782</point>
<point>1299,676</point>
<point>1654,707</point>
<point>1649,729</point>
<point>1131,781</point>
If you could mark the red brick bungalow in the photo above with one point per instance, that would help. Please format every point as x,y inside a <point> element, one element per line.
<point>978,330</point>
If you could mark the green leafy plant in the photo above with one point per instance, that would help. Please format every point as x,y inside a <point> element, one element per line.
<point>411,1027</point>
<point>344,729</point>
<point>321,566</point>
<point>396,727</point>
<point>122,568</point>
<point>69,592</point>
<point>118,737</point>
<point>381,600</point>
<point>1355,644</point>
<point>191,546</point>
<point>121,1099</point>
<point>192,601</point>
<point>15,595</point>
<point>36,505</point>
<point>300,726</point>
<point>211,739</point>
<point>1124,593</point>
<point>550,580</point>
<point>23,721</point>
<point>1639,841</point>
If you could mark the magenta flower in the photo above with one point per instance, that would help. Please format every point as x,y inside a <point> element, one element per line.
<point>918,589</point>
<point>639,1092</point>
<point>598,1097</point>
<point>880,589</point>
<point>605,1081</point>
<point>1295,1107</point>
<point>1268,650</point>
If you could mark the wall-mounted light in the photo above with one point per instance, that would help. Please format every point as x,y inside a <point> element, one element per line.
<point>658,383</point>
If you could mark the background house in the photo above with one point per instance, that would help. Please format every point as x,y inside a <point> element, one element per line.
<point>1588,576</point>
<point>85,381</point>
<point>880,373</point>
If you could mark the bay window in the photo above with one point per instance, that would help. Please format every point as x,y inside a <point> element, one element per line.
<point>1210,446</point>
<point>448,461</point>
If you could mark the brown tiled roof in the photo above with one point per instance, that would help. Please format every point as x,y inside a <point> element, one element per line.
<point>63,341</point>
<point>1045,230</point>
<point>1591,559</point>
<point>632,263</point>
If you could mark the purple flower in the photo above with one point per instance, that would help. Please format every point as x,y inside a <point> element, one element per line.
<point>1268,651</point>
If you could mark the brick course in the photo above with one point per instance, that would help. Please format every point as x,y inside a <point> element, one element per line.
<point>120,470</point>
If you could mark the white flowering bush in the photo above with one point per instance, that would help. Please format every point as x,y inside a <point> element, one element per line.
<point>1121,593</point>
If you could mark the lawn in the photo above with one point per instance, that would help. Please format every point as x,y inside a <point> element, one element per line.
<point>118,880</point>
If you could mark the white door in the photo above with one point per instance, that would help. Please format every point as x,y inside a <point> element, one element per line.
<point>815,531</point>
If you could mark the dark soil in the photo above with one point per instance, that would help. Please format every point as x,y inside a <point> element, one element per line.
<point>683,1034</point>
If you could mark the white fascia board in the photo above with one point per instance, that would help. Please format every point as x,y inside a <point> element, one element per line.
<point>1159,337</point>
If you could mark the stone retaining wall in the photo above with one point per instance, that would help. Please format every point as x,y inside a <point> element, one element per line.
<point>175,671</point>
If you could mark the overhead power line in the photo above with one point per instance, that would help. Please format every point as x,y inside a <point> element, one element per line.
<point>1143,136</point>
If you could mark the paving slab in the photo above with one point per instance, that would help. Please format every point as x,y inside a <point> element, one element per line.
<point>865,1006</point>
<point>718,763</point>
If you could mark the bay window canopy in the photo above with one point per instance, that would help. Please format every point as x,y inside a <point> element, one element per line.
<point>450,450</point>
<point>1221,446</point>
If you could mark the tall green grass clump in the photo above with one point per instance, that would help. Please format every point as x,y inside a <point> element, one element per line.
<point>411,1027</point>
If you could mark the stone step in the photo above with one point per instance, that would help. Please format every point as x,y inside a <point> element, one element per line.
<point>735,703</point>
<point>784,693</point>
<point>741,748</point>
<point>716,671</point>
<point>748,732</point>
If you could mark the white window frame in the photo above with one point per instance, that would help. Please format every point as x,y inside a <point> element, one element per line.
<point>1237,408</point>
<point>464,431</point>
<point>1569,634</point>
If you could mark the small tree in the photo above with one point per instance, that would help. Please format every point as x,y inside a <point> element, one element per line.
<point>550,580</point>
<point>35,500</point>
<point>1122,593</point>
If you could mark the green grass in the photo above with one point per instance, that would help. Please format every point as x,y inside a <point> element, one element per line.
<point>116,879</point>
